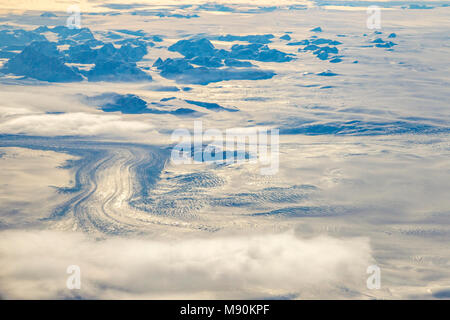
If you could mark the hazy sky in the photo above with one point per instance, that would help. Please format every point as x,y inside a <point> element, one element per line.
<point>56,5</point>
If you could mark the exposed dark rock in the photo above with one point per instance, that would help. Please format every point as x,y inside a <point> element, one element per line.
<point>117,71</point>
<point>42,61</point>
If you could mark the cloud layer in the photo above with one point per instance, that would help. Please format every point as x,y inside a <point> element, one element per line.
<point>34,263</point>
<point>78,123</point>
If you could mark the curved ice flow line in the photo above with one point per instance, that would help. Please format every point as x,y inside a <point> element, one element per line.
<point>108,179</point>
<point>106,207</point>
<point>119,190</point>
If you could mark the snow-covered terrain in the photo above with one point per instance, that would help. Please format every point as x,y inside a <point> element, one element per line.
<point>87,117</point>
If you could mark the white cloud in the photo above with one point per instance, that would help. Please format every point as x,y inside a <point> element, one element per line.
<point>79,123</point>
<point>11,111</point>
<point>33,265</point>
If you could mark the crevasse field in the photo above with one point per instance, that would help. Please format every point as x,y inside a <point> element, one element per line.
<point>89,104</point>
